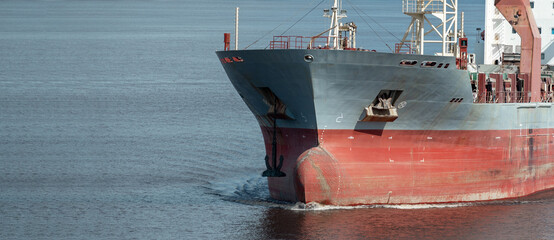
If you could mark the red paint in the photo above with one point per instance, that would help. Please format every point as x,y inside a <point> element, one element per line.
<point>481,87</point>
<point>513,87</point>
<point>461,62</point>
<point>370,167</point>
<point>500,96</point>
<point>231,59</point>
<point>227,41</point>
<point>526,96</point>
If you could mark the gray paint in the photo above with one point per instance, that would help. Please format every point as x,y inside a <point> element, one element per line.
<point>332,91</point>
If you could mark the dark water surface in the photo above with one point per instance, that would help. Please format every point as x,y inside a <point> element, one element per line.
<point>117,121</point>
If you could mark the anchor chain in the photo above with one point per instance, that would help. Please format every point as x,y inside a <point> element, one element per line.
<point>276,170</point>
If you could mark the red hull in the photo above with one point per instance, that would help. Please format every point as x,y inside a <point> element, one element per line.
<point>351,167</point>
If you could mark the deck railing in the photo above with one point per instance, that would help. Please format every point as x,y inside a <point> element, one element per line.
<point>508,97</point>
<point>403,48</point>
<point>420,6</point>
<point>298,42</point>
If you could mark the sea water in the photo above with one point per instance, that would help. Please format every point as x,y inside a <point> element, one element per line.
<point>117,121</point>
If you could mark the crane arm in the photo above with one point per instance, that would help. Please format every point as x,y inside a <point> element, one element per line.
<point>519,14</point>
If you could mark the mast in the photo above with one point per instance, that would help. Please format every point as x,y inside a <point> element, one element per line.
<point>333,34</point>
<point>443,26</point>
<point>336,15</point>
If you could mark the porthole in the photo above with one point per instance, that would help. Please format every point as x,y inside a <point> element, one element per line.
<point>309,58</point>
<point>428,64</point>
<point>408,62</point>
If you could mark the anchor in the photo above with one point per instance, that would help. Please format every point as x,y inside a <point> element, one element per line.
<point>276,170</point>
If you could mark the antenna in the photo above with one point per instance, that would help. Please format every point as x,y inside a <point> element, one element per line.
<point>237,28</point>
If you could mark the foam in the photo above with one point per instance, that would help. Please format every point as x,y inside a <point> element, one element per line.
<point>252,190</point>
<point>321,207</point>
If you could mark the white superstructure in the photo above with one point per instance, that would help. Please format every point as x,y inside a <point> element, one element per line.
<point>501,38</point>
